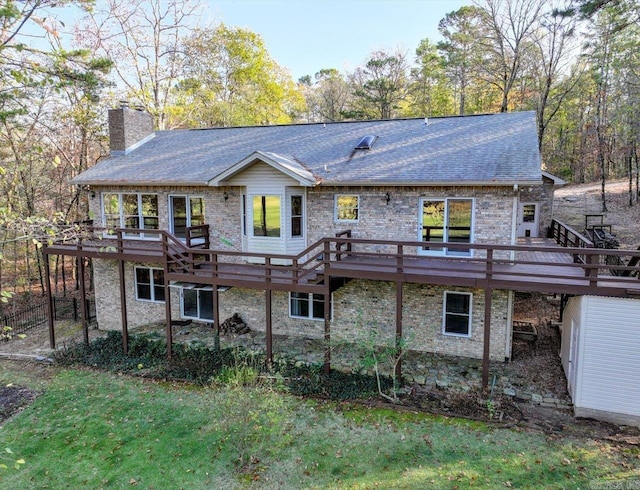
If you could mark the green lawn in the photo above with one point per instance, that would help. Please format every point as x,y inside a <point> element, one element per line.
<point>98,430</point>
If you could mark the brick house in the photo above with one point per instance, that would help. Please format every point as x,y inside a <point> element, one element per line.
<point>423,229</point>
<point>279,189</point>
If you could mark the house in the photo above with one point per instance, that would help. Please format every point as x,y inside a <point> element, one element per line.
<point>409,225</point>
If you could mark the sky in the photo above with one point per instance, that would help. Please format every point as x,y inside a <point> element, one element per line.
<point>308,35</point>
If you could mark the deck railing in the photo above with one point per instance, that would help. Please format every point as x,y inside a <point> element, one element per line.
<point>566,236</point>
<point>534,268</point>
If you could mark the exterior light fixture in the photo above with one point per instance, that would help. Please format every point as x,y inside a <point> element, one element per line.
<point>387,197</point>
<point>225,196</point>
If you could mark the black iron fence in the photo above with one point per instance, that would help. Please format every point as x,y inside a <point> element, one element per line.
<point>36,314</point>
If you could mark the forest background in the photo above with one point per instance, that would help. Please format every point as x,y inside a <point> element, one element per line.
<point>576,63</point>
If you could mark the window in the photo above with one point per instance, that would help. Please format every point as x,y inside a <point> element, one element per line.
<point>186,211</point>
<point>296,216</point>
<point>197,304</point>
<point>347,208</point>
<point>457,314</point>
<point>130,210</point>
<point>528,213</point>
<point>446,220</point>
<point>306,305</point>
<point>244,215</point>
<point>266,216</point>
<point>149,284</point>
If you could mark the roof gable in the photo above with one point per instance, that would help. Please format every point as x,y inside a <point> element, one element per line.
<point>287,165</point>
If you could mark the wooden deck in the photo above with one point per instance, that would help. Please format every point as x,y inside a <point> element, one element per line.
<point>531,265</point>
<point>534,265</point>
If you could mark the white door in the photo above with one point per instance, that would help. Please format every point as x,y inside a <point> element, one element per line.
<point>528,219</point>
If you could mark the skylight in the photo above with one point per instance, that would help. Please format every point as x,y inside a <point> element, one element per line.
<point>366,142</point>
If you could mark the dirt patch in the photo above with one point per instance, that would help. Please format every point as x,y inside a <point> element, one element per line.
<point>13,399</point>
<point>36,340</point>
<point>536,362</point>
<point>572,202</point>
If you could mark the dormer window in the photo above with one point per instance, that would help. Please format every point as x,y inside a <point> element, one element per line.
<point>366,142</point>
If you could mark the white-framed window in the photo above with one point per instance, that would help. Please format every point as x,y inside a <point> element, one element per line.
<point>446,220</point>
<point>296,203</point>
<point>457,314</point>
<point>267,214</point>
<point>185,211</point>
<point>244,215</point>
<point>132,210</point>
<point>347,208</point>
<point>149,284</point>
<point>306,305</point>
<point>197,303</point>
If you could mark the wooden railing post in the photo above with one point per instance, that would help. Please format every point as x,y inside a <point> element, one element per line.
<point>592,264</point>
<point>489,268</point>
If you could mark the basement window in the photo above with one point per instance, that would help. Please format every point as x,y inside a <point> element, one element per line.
<point>306,305</point>
<point>149,284</point>
<point>457,314</point>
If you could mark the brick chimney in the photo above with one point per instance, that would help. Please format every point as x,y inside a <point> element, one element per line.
<point>129,129</point>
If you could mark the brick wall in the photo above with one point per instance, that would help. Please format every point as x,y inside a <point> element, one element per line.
<point>107,287</point>
<point>223,216</point>
<point>543,195</point>
<point>399,219</point>
<point>363,305</point>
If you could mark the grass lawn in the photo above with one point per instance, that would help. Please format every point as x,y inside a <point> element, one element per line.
<point>98,430</point>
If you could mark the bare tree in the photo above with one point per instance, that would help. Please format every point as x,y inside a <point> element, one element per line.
<point>510,25</point>
<point>142,37</point>
<point>554,73</point>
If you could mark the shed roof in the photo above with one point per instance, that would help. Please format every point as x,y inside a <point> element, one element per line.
<point>494,149</point>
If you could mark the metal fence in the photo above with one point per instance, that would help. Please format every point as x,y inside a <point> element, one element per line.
<point>36,314</point>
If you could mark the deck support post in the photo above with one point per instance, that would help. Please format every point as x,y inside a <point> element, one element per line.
<point>488,295</point>
<point>216,318</point>
<point>326,256</point>
<point>216,300</point>
<point>399,284</point>
<point>168,331</point>
<point>398,355</point>
<point>269,327</point>
<point>267,300</point>
<point>83,306</point>
<point>123,308</point>
<point>47,273</point>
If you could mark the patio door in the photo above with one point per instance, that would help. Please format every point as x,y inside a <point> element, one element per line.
<point>528,219</point>
<point>446,220</point>
<point>197,303</point>
<point>185,211</point>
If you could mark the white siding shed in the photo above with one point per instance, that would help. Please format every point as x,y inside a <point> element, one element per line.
<point>601,357</point>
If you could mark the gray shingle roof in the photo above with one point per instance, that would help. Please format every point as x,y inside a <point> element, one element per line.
<point>486,149</point>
